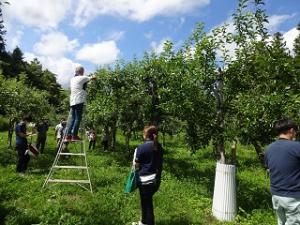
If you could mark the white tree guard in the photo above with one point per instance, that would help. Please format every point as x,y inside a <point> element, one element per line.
<point>224,200</point>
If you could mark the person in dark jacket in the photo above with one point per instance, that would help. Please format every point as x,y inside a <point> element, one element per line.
<point>282,159</point>
<point>148,161</point>
<point>41,129</point>
<point>22,144</point>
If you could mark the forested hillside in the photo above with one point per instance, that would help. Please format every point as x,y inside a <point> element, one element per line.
<point>25,87</point>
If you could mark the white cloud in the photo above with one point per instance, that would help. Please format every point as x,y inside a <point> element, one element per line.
<point>28,56</point>
<point>158,47</point>
<point>36,13</point>
<point>276,20</point>
<point>54,44</point>
<point>137,10</point>
<point>63,67</point>
<point>115,35</point>
<point>229,47</point>
<point>149,35</point>
<point>290,37</point>
<point>102,53</point>
<point>15,39</point>
<point>181,22</point>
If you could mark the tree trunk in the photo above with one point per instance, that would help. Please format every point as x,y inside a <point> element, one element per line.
<point>259,152</point>
<point>135,135</point>
<point>221,150</point>
<point>155,116</point>
<point>127,140</point>
<point>233,152</point>
<point>10,131</point>
<point>218,91</point>
<point>113,137</point>
<point>164,138</point>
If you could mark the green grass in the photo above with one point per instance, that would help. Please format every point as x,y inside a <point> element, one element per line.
<point>185,196</point>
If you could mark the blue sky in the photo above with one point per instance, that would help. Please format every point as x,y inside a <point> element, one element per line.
<point>65,33</point>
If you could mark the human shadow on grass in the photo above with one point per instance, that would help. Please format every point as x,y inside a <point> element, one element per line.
<point>120,155</point>
<point>3,213</point>
<point>181,168</point>
<point>7,156</point>
<point>175,221</point>
<point>250,197</point>
<point>249,163</point>
<point>104,182</point>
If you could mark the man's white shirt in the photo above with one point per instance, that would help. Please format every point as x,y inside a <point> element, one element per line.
<point>78,95</point>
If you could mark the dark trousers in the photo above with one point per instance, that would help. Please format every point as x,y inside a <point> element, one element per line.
<point>146,195</point>
<point>40,143</point>
<point>76,111</point>
<point>22,159</point>
<point>105,145</point>
<point>92,144</point>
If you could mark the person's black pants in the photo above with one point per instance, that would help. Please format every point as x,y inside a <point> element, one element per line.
<point>146,195</point>
<point>92,144</point>
<point>22,159</point>
<point>105,145</point>
<point>40,142</point>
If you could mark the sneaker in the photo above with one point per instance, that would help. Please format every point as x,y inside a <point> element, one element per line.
<point>138,223</point>
<point>76,138</point>
<point>20,174</point>
<point>68,138</point>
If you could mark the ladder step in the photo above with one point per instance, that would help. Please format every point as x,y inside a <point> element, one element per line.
<point>68,181</point>
<point>70,167</point>
<point>68,153</point>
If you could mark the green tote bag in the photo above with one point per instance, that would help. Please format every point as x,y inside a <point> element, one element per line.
<point>131,182</point>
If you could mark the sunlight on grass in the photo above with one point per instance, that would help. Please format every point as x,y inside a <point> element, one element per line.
<point>185,196</point>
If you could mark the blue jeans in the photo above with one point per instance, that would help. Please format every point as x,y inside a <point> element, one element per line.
<point>76,111</point>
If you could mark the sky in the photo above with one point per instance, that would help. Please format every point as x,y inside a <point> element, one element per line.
<point>63,34</point>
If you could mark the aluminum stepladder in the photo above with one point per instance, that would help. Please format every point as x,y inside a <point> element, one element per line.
<point>81,152</point>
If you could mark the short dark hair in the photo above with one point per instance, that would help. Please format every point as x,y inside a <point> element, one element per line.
<point>282,126</point>
<point>26,117</point>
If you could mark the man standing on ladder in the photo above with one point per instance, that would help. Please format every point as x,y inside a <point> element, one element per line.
<point>77,99</point>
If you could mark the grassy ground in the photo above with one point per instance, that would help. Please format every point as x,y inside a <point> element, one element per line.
<point>185,196</point>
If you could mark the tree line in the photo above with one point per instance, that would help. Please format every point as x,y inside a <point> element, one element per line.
<point>209,92</point>
<point>221,87</point>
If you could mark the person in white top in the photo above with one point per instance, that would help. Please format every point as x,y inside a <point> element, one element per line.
<point>59,132</point>
<point>77,100</point>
